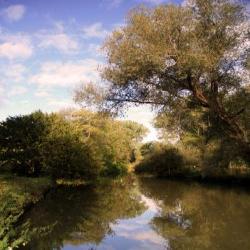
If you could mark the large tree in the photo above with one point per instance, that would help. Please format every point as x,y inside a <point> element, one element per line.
<point>180,57</point>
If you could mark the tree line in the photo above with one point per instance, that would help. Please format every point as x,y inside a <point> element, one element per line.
<point>69,144</point>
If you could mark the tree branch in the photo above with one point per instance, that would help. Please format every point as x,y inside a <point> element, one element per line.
<point>135,101</point>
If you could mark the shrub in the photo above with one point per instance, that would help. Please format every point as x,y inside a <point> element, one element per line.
<point>38,144</point>
<point>161,160</point>
<point>65,153</point>
<point>114,169</point>
<point>21,139</point>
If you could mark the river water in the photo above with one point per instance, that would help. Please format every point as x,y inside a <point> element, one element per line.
<point>140,213</point>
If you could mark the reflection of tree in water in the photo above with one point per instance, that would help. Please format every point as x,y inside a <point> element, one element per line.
<point>220,217</point>
<point>80,215</point>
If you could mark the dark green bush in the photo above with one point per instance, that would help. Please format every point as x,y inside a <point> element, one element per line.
<point>21,140</point>
<point>114,170</point>
<point>38,144</point>
<point>161,160</point>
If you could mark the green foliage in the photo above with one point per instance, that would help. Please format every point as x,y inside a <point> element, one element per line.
<point>113,142</point>
<point>161,160</point>
<point>66,155</point>
<point>114,170</point>
<point>217,159</point>
<point>17,194</point>
<point>202,139</point>
<point>73,144</point>
<point>21,139</point>
<point>38,144</point>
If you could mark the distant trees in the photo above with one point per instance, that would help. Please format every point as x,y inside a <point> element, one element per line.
<point>70,145</point>
<point>113,142</point>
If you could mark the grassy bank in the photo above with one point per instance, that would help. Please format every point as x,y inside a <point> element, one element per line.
<point>16,196</point>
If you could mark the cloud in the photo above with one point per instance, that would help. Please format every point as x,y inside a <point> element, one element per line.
<point>57,38</point>
<point>14,12</point>
<point>2,91</point>
<point>112,3</point>
<point>56,104</point>
<point>95,30</point>
<point>60,41</point>
<point>42,93</point>
<point>16,46</point>
<point>14,72</point>
<point>3,98</point>
<point>17,90</point>
<point>66,74</point>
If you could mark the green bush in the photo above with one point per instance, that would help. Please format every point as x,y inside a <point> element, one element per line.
<point>160,160</point>
<point>65,154</point>
<point>114,170</point>
<point>21,140</point>
<point>39,144</point>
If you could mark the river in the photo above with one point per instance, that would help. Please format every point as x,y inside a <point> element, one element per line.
<point>140,213</point>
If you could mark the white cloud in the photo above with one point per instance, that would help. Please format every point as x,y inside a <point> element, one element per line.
<point>66,74</point>
<point>112,3</point>
<point>16,46</point>
<point>2,90</point>
<point>14,12</point>
<point>56,104</point>
<point>3,97</point>
<point>60,41</point>
<point>14,72</point>
<point>42,93</point>
<point>95,30</point>
<point>17,90</point>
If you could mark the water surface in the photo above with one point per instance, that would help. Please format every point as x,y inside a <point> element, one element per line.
<point>140,213</point>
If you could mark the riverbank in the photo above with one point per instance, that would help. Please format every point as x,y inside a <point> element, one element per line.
<point>18,194</point>
<point>236,177</point>
<point>23,196</point>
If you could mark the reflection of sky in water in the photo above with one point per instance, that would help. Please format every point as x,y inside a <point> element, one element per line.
<point>131,234</point>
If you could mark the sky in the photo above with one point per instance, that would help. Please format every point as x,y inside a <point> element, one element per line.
<point>48,47</point>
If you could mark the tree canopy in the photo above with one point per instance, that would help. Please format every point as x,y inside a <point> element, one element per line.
<point>180,58</point>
